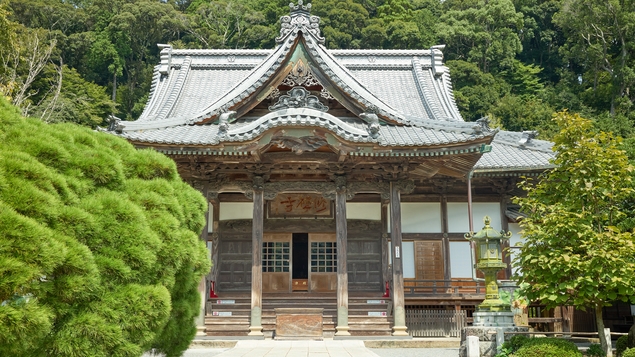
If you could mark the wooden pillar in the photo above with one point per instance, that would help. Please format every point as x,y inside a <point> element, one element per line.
<point>215,237</point>
<point>342,273</point>
<point>399,311</point>
<point>385,250</point>
<point>255,328</point>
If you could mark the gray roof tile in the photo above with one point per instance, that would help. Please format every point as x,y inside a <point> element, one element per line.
<point>510,154</point>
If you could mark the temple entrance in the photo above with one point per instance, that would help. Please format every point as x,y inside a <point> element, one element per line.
<point>296,262</point>
<point>300,266</point>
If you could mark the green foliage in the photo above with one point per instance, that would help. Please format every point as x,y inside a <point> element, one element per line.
<point>545,351</point>
<point>547,347</point>
<point>512,345</point>
<point>574,253</point>
<point>621,345</point>
<point>100,253</point>
<point>595,350</point>
<point>630,352</point>
<point>78,101</point>
<point>599,40</point>
<point>482,32</point>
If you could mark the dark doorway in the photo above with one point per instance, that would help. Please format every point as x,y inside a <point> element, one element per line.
<point>300,256</point>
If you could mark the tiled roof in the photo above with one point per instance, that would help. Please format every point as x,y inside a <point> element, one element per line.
<point>403,87</point>
<point>409,90</point>
<point>349,129</point>
<point>513,151</point>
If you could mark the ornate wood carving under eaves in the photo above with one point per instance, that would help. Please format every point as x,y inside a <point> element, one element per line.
<point>405,186</point>
<point>299,145</point>
<point>326,189</point>
<point>299,97</point>
<point>301,75</point>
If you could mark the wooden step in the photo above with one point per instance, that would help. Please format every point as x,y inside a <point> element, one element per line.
<point>360,323</point>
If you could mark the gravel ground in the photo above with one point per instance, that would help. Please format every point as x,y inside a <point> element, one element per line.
<point>196,352</point>
<point>381,352</point>
<point>418,352</point>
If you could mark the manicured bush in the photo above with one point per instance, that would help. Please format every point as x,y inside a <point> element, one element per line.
<point>621,345</point>
<point>99,247</point>
<point>595,350</point>
<point>512,345</point>
<point>548,347</point>
<point>630,352</point>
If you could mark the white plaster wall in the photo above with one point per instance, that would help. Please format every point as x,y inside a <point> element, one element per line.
<point>236,210</point>
<point>514,241</point>
<point>458,221</point>
<point>359,210</point>
<point>419,217</point>
<point>408,259</point>
<point>460,259</point>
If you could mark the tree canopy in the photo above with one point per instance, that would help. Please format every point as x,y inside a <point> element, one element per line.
<point>579,248</point>
<point>504,55</point>
<point>99,246</point>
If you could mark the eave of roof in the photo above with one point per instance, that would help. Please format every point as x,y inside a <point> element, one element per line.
<point>350,131</point>
<point>514,153</point>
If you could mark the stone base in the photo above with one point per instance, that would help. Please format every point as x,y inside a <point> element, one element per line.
<point>295,323</point>
<point>255,331</point>
<point>200,331</point>
<point>493,319</point>
<point>399,331</point>
<point>342,331</point>
<point>487,338</point>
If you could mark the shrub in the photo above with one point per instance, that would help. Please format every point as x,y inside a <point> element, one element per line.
<point>512,345</point>
<point>630,352</point>
<point>99,248</point>
<point>621,345</point>
<point>548,347</point>
<point>595,350</point>
<point>545,350</point>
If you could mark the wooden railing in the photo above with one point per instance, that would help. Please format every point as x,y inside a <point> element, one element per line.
<point>414,287</point>
<point>435,323</point>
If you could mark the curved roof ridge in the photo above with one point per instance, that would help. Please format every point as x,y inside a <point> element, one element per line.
<point>168,105</point>
<point>351,85</point>
<point>448,96</point>
<point>296,113</point>
<point>424,93</point>
<point>153,96</point>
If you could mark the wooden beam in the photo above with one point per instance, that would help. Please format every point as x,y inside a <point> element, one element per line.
<point>399,328</point>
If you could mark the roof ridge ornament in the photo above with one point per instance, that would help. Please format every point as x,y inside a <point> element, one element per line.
<point>300,20</point>
<point>300,6</point>
<point>481,126</point>
<point>526,137</point>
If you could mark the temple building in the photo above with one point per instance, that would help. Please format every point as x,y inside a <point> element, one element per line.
<point>340,182</point>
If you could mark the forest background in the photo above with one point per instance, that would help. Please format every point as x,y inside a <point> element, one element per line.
<point>515,61</point>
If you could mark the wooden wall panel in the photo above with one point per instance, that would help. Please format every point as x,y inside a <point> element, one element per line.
<point>323,282</point>
<point>276,282</point>
<point>234,263</point>
<point>364,262</point>
<point>429,260</point>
